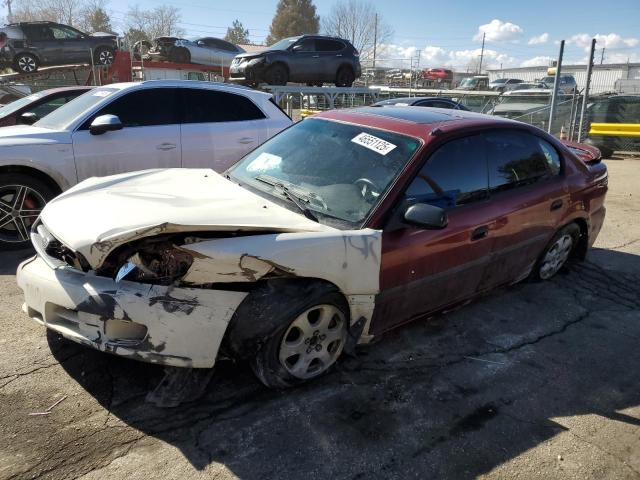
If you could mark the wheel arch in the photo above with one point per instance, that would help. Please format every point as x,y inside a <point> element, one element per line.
<point>35,173</point>
<point>262,311</point>
<point>580,250</point>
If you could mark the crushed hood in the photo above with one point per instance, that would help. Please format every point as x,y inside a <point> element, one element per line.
<point>32,135</point>
<point>99,214</point>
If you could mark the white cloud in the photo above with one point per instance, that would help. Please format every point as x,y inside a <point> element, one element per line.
<point>544,38</point>
<point>539,61</point>
<point>499,31</point>
<point>609,40</point>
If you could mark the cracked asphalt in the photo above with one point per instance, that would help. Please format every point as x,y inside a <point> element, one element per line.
<point>534,381</point>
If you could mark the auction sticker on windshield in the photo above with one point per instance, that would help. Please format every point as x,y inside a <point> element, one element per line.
<point>373,143</point>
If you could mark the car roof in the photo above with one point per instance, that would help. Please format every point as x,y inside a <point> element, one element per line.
<point>219,86</point>
<point>73,88</point>
<point>414,121</point>
<point>412,100</point>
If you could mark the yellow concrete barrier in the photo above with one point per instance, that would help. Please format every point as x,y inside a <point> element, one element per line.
<point>617,129</point>
<point>307,113</point>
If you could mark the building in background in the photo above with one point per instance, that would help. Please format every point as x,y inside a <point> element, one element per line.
<point>609,77</point>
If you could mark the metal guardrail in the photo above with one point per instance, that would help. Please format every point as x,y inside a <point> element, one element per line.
<point>615,129</point>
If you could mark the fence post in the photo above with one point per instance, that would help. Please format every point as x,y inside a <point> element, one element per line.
<point>585,97</point>
<point>556,86</point>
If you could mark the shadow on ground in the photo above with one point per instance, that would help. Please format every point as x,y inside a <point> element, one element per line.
<point>452,397</point>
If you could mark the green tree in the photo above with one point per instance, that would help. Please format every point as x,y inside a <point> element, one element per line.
<point>236,33</point>
<point>98,21</point>
<point>293,17</point>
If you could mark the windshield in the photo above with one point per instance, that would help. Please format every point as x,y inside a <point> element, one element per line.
<point>469,82</point>
<point>18,104</point>
<point>283,44</point>
<point>339,171</point>
<point>64,116</point>
<point>499,80</point>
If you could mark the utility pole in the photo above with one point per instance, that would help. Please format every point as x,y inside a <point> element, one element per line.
<point>556,86</point>
<point>9,13</point>
<point>602,56</point>
<point>481,54</point>
<point>585,96</point>
<point>375,40</point>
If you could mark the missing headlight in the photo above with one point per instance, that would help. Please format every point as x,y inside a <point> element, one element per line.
<point>156,263</point>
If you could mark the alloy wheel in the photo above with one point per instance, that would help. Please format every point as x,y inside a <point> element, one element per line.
<point>105,57</point>
<point>313,342</point>
<point>20,206</point>
<point>556,256</point>
<point>27,64</point>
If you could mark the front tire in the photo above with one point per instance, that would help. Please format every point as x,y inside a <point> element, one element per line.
<point>277,75</point>
<point>180,55</point>
<point>26,63</point>
<point>557,252</point>
<point>269,328</point>
<point>22,198</point>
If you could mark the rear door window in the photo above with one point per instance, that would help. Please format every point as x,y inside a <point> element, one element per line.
<point>329,45</point>
<point>514,159</point>
<point>210,106</point>
<point>456,174</point>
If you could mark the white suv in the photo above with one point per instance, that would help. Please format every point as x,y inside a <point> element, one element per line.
<point>126,127</point>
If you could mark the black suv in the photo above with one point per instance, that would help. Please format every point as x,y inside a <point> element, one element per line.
<point>310,59</point>
<point>26,46</point>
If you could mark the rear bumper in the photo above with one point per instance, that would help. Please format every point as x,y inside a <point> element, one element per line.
<point>181,327</point>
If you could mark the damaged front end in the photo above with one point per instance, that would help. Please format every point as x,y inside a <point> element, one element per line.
<point>168,298</point>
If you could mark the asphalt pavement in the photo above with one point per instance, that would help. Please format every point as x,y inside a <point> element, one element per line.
<point>536,381</point>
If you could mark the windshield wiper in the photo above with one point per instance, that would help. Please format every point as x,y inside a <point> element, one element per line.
<point>289,195</point>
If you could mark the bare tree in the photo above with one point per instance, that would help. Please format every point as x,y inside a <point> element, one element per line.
<point>63,11</point>
<point>359,22</point>
<point>162,21</point>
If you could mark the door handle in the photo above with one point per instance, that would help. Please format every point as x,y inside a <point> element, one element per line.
<point>555,205</point>
<point>245,140</point>
<point>480,233</point>
<point>166,146</point>
<point>338,55</point>
<point>315,56</point>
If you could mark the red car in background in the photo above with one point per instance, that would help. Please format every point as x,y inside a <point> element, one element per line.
<point>28,110</point>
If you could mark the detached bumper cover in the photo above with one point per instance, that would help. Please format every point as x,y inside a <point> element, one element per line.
<point>181,327</point>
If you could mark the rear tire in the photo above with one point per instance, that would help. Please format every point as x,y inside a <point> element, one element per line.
<point>22,197</point>
<point>104,56</point>
<point>345,77</point>
<point>26,63</point>
<point>557,252</point>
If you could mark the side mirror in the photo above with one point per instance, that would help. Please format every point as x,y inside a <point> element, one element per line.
<point>105,123</point>
<point>28,118</point>
<point>296,48</point>
<point>426,216</point>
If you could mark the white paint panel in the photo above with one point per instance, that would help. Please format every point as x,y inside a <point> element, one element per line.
<point>348,259</point>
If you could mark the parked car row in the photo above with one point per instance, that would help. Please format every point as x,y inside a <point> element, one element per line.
<point>327,234</point>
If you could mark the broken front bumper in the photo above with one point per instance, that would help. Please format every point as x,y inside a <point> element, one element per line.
<point>181,327</point>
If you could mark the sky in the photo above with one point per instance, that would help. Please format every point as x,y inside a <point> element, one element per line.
<point>449,33</point>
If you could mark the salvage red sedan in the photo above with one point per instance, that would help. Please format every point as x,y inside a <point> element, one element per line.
<point>341,227</point>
